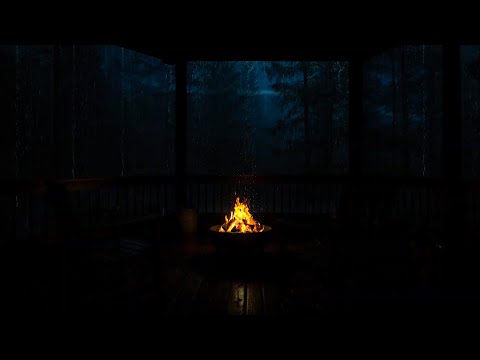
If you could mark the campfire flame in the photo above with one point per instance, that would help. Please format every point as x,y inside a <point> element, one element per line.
<point>240,220</point>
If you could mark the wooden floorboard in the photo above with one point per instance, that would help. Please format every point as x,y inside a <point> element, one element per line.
<point>272,299</point>
<point>170,288</point>
<point>254,298</point>
<point>221,297</point>
<point>236,299</point>
<point>183,301</point>
<point>204,299</point>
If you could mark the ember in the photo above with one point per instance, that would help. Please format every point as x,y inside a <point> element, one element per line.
<point>240,220</point>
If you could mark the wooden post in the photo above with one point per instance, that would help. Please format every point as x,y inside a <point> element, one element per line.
<point>452,143</point>
<point>181,133</point>
<point>55,142</point>
<point>356,121</point>
<point>64,224</point>
<point>8,138</point>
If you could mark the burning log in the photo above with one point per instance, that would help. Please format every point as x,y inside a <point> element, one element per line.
<point>231,224</point>
<point>258,227</point>
<point>241,220</point>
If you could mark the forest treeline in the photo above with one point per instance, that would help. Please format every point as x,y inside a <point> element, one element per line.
<point>114,114</point>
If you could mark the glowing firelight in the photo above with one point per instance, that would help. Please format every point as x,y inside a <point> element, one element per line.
<point>240,220</point>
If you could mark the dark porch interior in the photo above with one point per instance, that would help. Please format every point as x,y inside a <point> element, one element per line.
<point>135,244</point>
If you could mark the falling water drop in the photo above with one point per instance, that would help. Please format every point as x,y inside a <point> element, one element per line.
<point>74,120</point>
<point>17,100</point>
<point>424,169</point>
<point>122,89</point>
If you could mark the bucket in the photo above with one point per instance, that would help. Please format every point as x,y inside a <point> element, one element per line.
<point>188,220</point>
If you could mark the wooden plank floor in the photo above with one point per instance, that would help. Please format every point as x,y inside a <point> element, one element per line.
<point>197,281</point>
<point>189,277</point>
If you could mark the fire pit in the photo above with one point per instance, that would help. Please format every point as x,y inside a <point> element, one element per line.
<point>240,232</point>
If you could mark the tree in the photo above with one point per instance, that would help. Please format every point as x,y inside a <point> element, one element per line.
<point>309,95</point>
<point>221,107</point>
<point>472,109</point>
<point>403,110</point>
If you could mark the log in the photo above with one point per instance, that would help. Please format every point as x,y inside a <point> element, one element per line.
<point>231,224</point>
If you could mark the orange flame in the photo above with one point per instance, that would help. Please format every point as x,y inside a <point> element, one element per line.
<point>240,220</point>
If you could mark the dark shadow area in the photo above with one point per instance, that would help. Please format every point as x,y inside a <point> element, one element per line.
<point>263,267</point>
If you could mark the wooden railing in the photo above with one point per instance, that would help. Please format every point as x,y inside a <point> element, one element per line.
<point>34,209</point>
<point>411,200</point>
<point>30,209</point>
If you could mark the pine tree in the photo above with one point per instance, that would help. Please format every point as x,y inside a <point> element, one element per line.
<point>309,95</point>
<point>221,108</point>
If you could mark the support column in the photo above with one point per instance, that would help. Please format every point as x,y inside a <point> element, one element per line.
<point>55,141</point>
<point>181,132</point>
<point>356,117</point>
<point>452,144</point>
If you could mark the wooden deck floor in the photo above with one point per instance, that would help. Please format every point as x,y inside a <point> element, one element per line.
<point>191,279</point>
<point>302,274</point>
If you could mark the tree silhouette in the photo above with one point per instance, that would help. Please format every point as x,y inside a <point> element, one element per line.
<point>403,111</point>
<point>471,102</point>
<point>312,96</point>
<point>221,111</point>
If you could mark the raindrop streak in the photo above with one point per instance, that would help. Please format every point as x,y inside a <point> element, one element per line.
<point>17,100</point>
<point>122,109</point>
<point>423,113</point>
<point>74,121</point>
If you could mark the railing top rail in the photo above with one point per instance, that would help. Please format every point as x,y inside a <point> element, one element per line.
<point>11,186</point>
<point>318,179</point>
<point>15,186</point>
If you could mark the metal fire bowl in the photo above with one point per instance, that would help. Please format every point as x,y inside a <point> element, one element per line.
<point>240,241</point>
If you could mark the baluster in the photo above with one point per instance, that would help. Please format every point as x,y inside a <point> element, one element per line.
<point>282,198</point>
<point>14,217</point>
<point>222,207</point>
<point>474,208</point>
<point>78,200</point>
<point>274,198</point>
<point>90,217</point>
<point>427,206</point>
<point>117,197</point>
<point>30,215</point>
<point>267,198</point>
<point>138,194</point>
<point>290,197</point>
<point>213,196</point>
<point>312,197</point>
<point>413,199</point>
<point>126,192</point>
<point>109,198</point>
<point>305,190</point>
<point>165,198</point>
<point>135,203</point>
<point>422,204</point>
<point>206,198</point>
<point>45,216</point>
<point>150,202</point>
<point>144,187</point>
<point>98,205</point>
<point>337,188</point>
<point>198,197</point>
